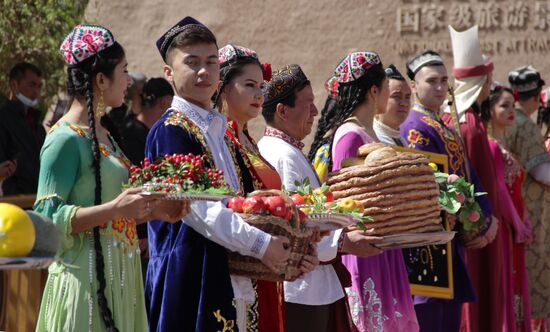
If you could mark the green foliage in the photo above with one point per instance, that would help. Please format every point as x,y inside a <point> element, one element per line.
<point>31,31</point>
<point>449,200</point>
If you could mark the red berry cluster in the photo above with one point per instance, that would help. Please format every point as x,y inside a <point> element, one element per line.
<point>185,171</point>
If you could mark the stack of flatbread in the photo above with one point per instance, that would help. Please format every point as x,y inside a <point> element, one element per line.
<point>397,189</point>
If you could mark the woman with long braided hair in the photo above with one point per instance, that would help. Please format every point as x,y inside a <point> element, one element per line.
<point>379,296</point>
<point>96,285</point>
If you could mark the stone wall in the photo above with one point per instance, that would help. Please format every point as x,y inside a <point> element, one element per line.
<point>317,34</point>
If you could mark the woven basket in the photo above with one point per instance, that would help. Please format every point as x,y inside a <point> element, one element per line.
<point>253,268</point>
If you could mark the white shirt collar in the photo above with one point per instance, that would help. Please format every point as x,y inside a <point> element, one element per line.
<point>203,118</point>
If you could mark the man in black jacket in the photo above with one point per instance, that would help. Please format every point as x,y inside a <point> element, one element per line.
<point>21,130</point>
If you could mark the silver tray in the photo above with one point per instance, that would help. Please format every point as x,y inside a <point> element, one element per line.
<point>411,240</point>
<point>25,263</point>
<point>186,196</point>
<point>329,221</point>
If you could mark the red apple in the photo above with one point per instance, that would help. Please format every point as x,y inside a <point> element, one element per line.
<point>236,204</point>
<point>329,196</point>
<point>302,216</point>
<point>276,206</point>
<point>473,216</point>
<point>298,199</point>
<point>254,205</point>
<point>289,214</point>
<point>452,178</point>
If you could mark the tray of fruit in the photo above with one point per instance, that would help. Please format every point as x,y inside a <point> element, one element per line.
<point>329,221</point>
<point>323,212</point>
<point>180,177</point>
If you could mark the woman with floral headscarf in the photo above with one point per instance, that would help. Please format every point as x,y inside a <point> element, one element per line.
<point>379,297</point>
<point>240,97</point>
<point>96,285</point>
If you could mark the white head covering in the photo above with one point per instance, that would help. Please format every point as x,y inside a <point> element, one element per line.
<point>471,68</point>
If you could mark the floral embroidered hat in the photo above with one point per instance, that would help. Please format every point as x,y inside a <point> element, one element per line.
<point>187,23</point>
<point>355,65</point>
<point>229,54</point>
<point>84,41</point>
<point>283,83</point>
<point>331,85</point>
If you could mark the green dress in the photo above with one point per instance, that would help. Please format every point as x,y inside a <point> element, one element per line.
<point>67,182</point>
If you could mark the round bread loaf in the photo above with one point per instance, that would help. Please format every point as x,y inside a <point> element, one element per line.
<point>364,150</point>
<point>381,153</point>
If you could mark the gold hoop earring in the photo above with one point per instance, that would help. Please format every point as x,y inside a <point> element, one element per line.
<point>100,108</point>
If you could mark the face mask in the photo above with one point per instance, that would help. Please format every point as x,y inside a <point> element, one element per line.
<point>26,101</point>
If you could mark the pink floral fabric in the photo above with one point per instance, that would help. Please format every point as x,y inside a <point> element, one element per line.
<point>355,65</point>
<point>84,41</point>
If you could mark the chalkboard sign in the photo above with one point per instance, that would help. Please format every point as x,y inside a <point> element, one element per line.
<point>430,268</point>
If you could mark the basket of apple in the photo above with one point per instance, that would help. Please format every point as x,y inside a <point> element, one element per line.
<point>273,212</point>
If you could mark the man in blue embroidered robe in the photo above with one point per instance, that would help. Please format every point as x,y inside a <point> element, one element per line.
<point>188,285</point>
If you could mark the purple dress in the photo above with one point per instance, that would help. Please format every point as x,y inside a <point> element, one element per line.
<point>379,297</point>
<point>424,130</point>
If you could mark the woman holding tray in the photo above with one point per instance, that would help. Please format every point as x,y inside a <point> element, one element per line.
<point>498,112</point>
<point>240,98</point>
<point>379,297</point>
<point>96,285</point>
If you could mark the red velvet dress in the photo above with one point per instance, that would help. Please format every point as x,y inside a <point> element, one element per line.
<point>270,294</point>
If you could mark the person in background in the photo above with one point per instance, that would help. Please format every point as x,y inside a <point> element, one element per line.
<point>543,117</point>
<point>155,99</point>
<point>21,130</point>
<point>386,125</point>
<point>134,92</point>
<point>498,114</point>
<point>473,77</point>
<point>525,141</point>
<point>115,119</point>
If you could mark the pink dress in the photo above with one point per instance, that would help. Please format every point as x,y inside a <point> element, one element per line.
<point>379,297</point>
<point>515,231</point>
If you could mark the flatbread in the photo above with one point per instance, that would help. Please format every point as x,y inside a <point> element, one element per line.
<point>406,220</point>
<point>370,191</point>
<point>393,177</point>
<point>405,213</point>
<point>401,206</point>
<point>367,170</point>
<point>417,227</point>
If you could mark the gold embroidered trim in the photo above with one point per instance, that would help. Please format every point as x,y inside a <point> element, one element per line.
<point>228,325</point>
